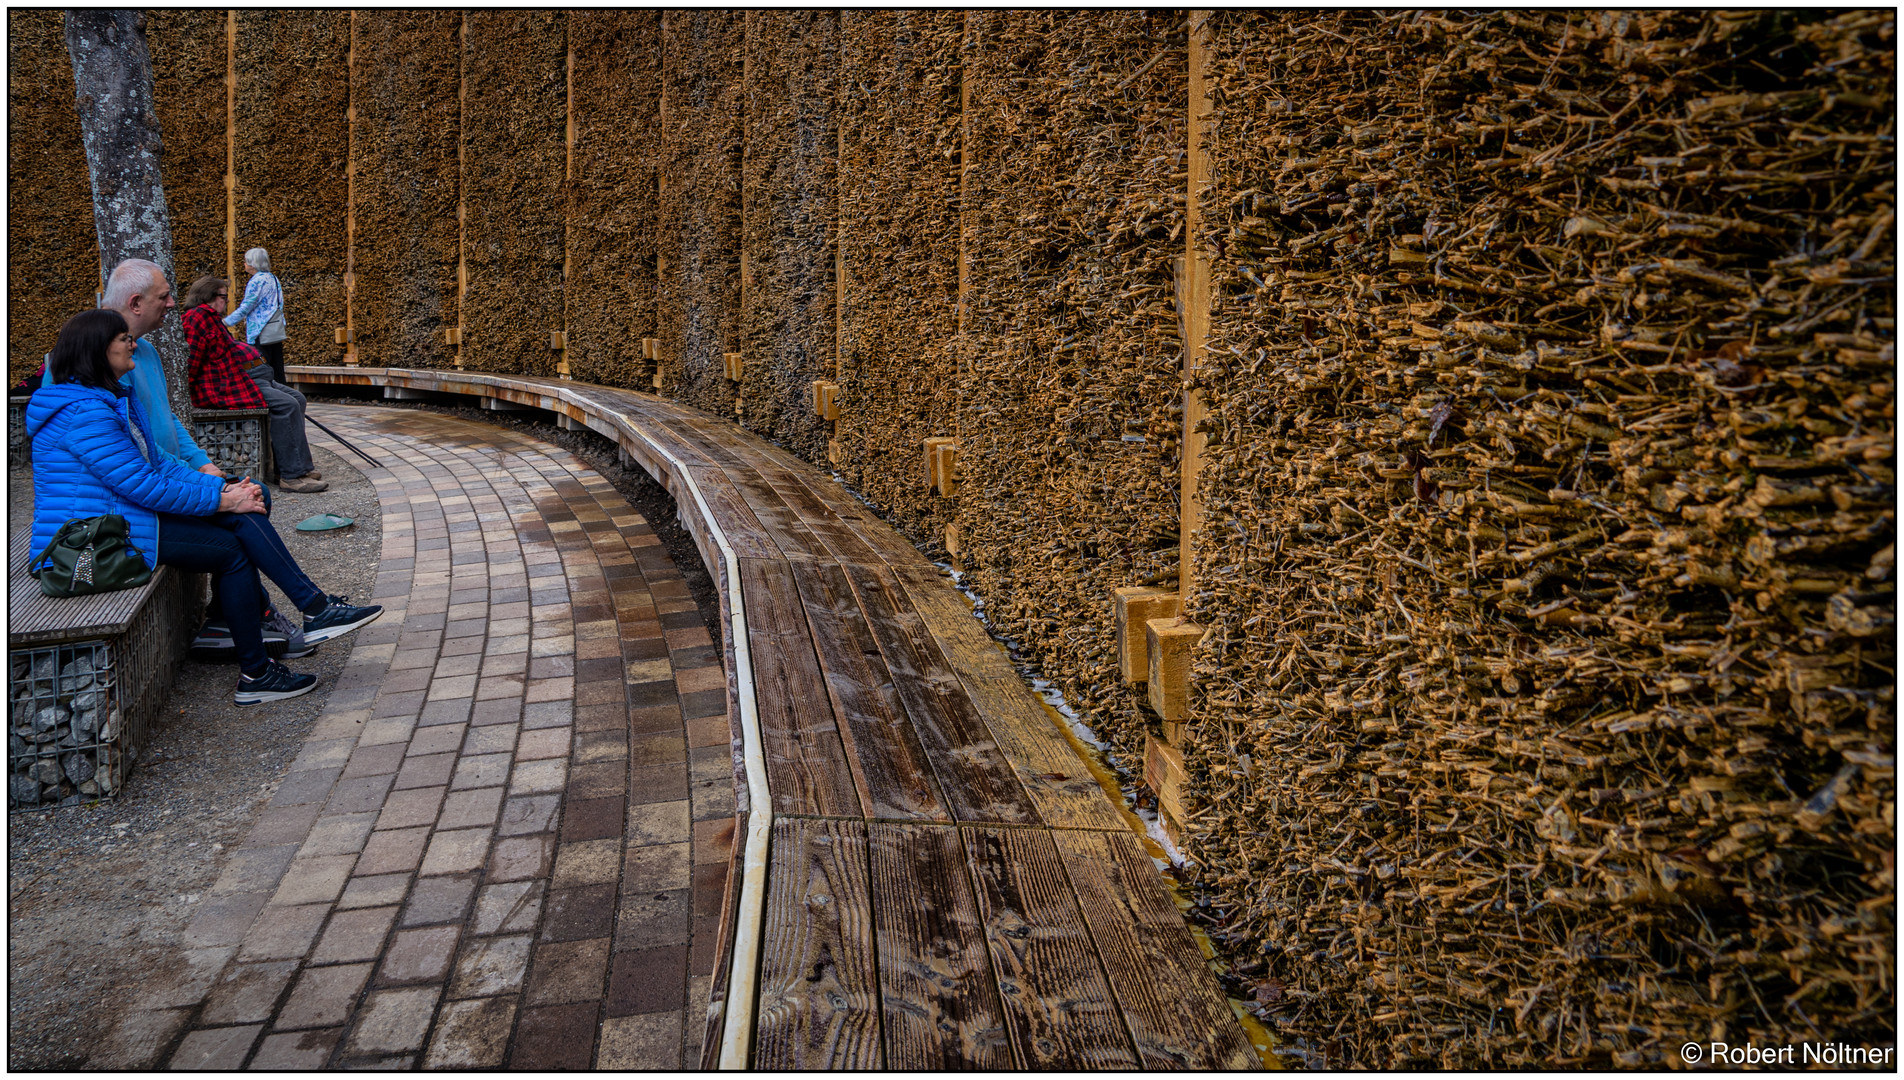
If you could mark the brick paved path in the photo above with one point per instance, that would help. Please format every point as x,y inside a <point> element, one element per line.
<point>505,842</point>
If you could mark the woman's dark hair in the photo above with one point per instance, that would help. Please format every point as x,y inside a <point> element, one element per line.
<point>79,356</point>
<point>203,291</point>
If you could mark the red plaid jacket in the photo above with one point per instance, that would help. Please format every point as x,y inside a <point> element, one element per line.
<point>219,364</point>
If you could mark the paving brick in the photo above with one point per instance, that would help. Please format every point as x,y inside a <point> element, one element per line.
<point>358,795</point>
<point>283,933</point>
<point>247,993</point>
<point>648,980</point>
<point>298,1051</point>
<point>555,1037</point>
<point>374,890</point>
<point>186,982</point>
<point>494,965</point>
<point>509,906</point>
<point>406,704</point>
<point>498,711</point>
<point>459,665</point>
<point>322,754</point>
<point>220,1049</point>
<point>592,747</point>
<point>323,997</point>
<point>653,694</point>
<point>482,770</point>
<point>406,680</point>
<point>713,840</point>
<point>520,857</point>
<point>419,955</point>
<point>224,920</point>
<point>592,819</point>
<point>711,763</point>
<point>587,862</point>
<point>374,761</point>
<point>282,825</point>
<point>533,777</point>
<point>393,851</point>
<point>354,935</point>
<point>543,743</point>
<point>307,786</point>
<point>657,783</point>
<point>642,1043</point>
<point>255,869</point>
<point>703,937</point>
<point>658,823</point>
<point>585,911</point>
<point>408,809</point>
<point>439,900</point>
<point>316,880</point>
<point>696,680</point>
<point>668,749</point>
<point>447,711</point>
<point>546,714</point>
<point>465,809</point>
<point>493,739</point>
<point>387,729</point>
<point>565,971</point>
<point>441,739</point>
<point>342,835</point>
<point>456,852</point>
<point>709,731</point>
<point>601,780</point>
<point>528,814</point>
<point>710,889</point>
<point>393,1021</point>
<point>471,1034</point>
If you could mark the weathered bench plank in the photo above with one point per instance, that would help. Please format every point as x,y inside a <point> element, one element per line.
<point>807,769</point>
<point>941,1005</point>
<point>34,618</point>
<point>819,990</point>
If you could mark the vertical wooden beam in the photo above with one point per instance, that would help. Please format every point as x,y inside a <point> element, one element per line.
<point>462,181</point>
<point>350,192</point>
<point>749,32</point>
<point>1195,295</point>
<point>568,176</point>
<point>839,207</point>
<point>231,144</point>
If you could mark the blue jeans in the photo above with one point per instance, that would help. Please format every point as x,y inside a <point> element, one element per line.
<point>266,549</point>
<point>202,546</point>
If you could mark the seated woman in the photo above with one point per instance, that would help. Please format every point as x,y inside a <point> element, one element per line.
<point>227,375</point>
<point>92,455</point>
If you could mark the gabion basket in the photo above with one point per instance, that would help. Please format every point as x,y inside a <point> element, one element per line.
<point>19,448</point>
<point>237,440</point>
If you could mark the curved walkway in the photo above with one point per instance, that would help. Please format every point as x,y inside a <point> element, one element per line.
<point>512,826</point>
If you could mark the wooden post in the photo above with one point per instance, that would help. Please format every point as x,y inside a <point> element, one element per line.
<point>1167,645</point>
<point>231,145</point>
<point>350,191</point>
<point>462,177</point>
<point>568,175</point>
<point>747,35</point>
<point>1195,296</point>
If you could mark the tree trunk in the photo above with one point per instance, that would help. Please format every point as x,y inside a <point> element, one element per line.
<point>112,80</point>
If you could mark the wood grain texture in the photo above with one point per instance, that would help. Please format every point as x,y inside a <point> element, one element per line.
<point>1066,793</point>
<point>938,997</point>
<point>1058,1004</point>
<point>819,992</point>
<point>1171,1002</point>
<point>894,776</point>
<point>807,769</point>
<point>977,781</point>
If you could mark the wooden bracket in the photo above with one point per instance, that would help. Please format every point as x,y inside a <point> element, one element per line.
<point>826,399</point>
<point>558,340</point>
<point>1167,644</point>
<point>341,336</point>
<point>952,539</point>
<point>833,451</point>
<point>731,366</point>
<point>1131,608</point>
<point>651,349</point>
<point>1164,775</point>
<point>450,335</point>
<point>942,461</point>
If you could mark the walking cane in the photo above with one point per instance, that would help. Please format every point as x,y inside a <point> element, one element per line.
<point>374,463</point>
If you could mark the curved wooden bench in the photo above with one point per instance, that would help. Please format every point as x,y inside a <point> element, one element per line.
<point>940,882</point>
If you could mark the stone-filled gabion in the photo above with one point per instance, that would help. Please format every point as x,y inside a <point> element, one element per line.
<point>65,726</point>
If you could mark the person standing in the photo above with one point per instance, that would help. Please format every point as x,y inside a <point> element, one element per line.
<point>262,311</point>
<point>227,375</point>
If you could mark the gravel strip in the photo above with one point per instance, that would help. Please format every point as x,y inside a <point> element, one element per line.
<point>97,895</point>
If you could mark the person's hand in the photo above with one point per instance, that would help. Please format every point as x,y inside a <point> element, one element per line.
<point>244,498</point>
<point>211,470</point>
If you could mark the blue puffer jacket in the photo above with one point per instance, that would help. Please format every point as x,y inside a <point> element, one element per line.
<point>85,463</point>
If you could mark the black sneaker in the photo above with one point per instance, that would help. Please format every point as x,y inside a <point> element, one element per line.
<point>275,684</point>
<point>337,620</point>
<point>283,640</point>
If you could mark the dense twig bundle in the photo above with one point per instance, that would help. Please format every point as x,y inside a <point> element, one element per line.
<point>1548,714</point>
<point>790,180</point>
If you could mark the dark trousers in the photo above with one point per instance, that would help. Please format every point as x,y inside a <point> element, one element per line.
<point>201,546</point>
<point>274,355</point>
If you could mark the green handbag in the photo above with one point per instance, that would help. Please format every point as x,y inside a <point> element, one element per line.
<point>90,555</point>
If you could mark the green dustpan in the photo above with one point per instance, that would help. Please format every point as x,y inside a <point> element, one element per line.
<point>324,523</point>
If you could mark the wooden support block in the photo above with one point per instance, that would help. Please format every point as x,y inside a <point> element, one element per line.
<point>1163,774</point>
<point>949,468</point>
<point>651,348</point>
<point>826,403</point>
<point>952,539</point>
<point>350,358</point>
<point>657,379</point>
<point>450,335</point>
<point>933,461</point>
<point>833,452</point>
<point>341,336</point>
<point>731,366</point>
<point>1168,642</point>
<point>558,340</point>
<point>1131,609</point>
